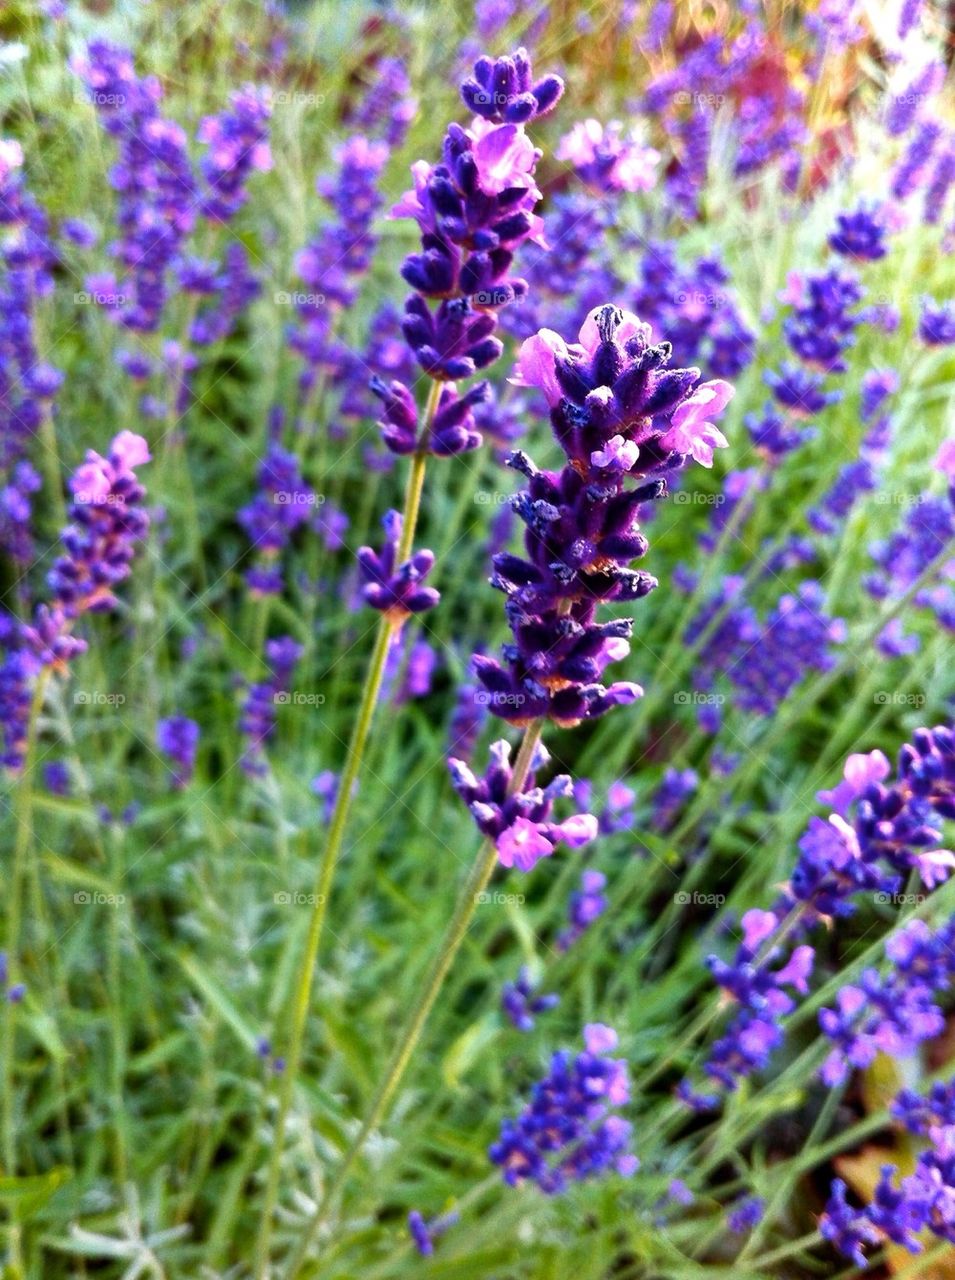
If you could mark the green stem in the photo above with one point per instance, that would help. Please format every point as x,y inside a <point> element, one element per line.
<point>454,935</point>
<point>24,829</point>
<point>387,629</point>
<point>323,882</point>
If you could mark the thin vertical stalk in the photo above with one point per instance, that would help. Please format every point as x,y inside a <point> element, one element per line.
<point>387,629</point>
<point>22,841</point>
<point>454,935</point>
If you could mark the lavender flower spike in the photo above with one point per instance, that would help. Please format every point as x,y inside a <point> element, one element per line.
<point>395,589</point>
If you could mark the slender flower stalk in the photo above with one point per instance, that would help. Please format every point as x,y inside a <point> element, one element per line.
<point>457,928</point>
<point>473,209</point>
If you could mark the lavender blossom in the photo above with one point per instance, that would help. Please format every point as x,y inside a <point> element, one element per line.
<point>569,1131</point>
<point>177,737</point>
<point>521,1005</point>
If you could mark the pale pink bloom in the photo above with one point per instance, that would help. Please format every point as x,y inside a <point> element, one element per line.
<point>411,205</point>
<point>859,771</point>
<point>945,460</point>
<point>505,158</point>
<point>757,925</point>
<point>934,866</point>
<point>11,157</point>
<point>618,453</point>
<point>599,1038</point>
<point>795,291</point>
<point>131,449</point>
<point>535,360</point>
<point>690,429</point>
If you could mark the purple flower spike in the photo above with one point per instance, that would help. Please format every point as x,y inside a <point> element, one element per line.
<point>177,737</point>
<point>396,589</point>
<point>569,1130</point>
<point>503,90</point>
<point>619,414</point>
<point>520,1004</point>
<point>521,823</point>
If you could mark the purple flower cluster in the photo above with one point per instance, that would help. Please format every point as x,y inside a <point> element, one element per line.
<point>519,822</point>
<point>521,1005</point>
<point>859,235</point>
<point>618,412</point>
<point>283,504</point>
<point>474,210</point>
<point>237,142</point>
<point>333,262</point>
<point>587,904</point>
<point>177,737</point>
<point>107,520</point>
<point>396,590</point>
<point>903,1207</point>
<point>607,159</point>
<point>878,834</point>
<point>158,192</point>
<point>894,1012</point>
<point>27,384</point>
<point>258,718</point>
<point>569,1130</point>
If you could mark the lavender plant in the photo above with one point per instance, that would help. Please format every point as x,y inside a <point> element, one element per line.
<point>354,924</point>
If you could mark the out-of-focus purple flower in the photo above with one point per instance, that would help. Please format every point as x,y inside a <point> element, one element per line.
<point>937,323</point>
<point>745,1214</point>
<point>237,142</point>
<point>859,235</point>
<point>586,905</point>
<point>177,737</point>
<point>607,158</point>
<point>521,1005</point>
<point>258,718</point>
<point>569,1130</point>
